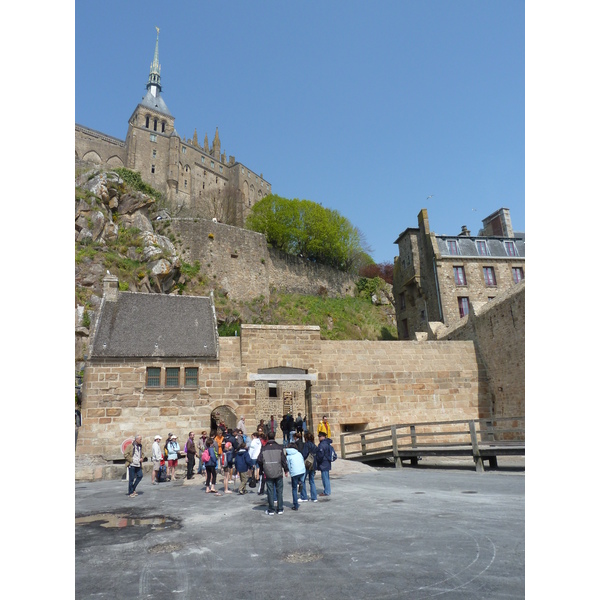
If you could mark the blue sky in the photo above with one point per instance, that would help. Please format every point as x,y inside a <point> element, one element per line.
<point>365,107</point>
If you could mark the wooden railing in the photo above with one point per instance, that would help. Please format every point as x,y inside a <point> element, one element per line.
<point>483,439</point>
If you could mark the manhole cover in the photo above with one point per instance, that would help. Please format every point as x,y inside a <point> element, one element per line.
<point>162,548</point>
<point>109,520</point>
<point>302,557</point>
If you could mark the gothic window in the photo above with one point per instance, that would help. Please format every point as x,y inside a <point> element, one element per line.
<point>147,122</point>
<point>155,124</point>
<point>163,127</point>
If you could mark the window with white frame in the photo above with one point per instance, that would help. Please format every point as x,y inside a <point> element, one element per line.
<point>463,306</point>
<point>153,137</point>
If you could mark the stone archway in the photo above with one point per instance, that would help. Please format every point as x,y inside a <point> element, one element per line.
<point>225,414</point>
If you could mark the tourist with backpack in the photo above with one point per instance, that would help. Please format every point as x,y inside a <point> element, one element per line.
<point>309,451</point>
<point>273,463</point>
<point>325,456</point>
<point>209,458</point>
<point>201,446</point>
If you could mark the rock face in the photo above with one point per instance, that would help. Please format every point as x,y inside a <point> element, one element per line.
<point>116,224</point>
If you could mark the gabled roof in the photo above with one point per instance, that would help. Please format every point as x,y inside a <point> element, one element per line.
<point>139,325</point>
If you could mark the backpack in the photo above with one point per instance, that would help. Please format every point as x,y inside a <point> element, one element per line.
<point>185,448</point>
<point>205,456</point>
<point>309,462</point>
<point>332,455</point>
<point>162,474</point>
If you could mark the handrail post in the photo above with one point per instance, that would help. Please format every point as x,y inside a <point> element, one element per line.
<point>476,455</point>
<point>363,444</point>
<point>413,436</point>
<point>490,436</point>
<point>343,446</point>
<point>397,460</point>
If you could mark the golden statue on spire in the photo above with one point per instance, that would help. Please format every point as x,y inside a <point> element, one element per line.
<point>157,30</point>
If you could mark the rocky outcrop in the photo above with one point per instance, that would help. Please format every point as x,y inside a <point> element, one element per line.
<point>115,223</point>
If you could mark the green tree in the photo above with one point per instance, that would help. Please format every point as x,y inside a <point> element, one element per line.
<point>305,228</point>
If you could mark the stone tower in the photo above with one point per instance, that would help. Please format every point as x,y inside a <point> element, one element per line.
<point>152,142</point>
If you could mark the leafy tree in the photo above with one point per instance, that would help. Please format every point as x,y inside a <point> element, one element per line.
<point>307,229</point>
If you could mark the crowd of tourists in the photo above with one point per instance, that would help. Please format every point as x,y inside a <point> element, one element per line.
<point>257,461</point>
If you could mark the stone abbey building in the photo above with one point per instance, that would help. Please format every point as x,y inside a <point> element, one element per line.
<point>194,178</point>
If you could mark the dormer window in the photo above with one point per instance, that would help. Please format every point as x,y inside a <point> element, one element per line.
<point>453,247</point>
<point>511,249</point>
<point>482,248</point>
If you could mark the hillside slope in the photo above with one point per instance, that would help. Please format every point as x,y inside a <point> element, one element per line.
<point>122,226</point>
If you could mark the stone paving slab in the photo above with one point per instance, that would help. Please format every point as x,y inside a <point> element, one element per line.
<point>384,533</point>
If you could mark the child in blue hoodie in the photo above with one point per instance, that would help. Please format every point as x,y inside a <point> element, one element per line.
<point>297,469</point>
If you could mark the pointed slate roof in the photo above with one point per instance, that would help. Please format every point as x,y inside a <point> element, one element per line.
<point>140,325</point>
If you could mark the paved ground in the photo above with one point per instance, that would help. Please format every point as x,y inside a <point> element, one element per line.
<point>413,533</point>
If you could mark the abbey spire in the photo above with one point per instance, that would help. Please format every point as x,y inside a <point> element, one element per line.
<point>153,84</point>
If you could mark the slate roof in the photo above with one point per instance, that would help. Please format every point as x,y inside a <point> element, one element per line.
<point>139,325</point>
<point>155,103</point>
<point>468,247</point>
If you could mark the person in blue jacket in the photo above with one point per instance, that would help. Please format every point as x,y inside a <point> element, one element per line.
<point>243,463</point>
<point>324,462</point>
<point>297,469</point>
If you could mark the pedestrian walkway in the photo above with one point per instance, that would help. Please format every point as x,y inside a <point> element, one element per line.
<point>385,533</point>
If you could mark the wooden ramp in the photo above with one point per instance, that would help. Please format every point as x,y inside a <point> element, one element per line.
<point>483,439</point>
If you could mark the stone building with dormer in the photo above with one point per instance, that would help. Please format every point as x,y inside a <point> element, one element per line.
<point>194,177</point>
<point>438,277</point>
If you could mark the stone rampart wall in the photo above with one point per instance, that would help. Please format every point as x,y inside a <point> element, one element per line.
<point>498,330</point>
<point>247,268</point>
<point>97,147</point>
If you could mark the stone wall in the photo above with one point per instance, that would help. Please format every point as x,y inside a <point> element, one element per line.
<point>357,384</point>
<point>247,268</point>
<point>363,385</point>
<point>498,330</point>
<point>94,146</point>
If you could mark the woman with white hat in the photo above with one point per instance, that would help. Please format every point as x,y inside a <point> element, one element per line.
<point>156,458</point>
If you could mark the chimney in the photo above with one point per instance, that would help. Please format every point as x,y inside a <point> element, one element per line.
<point>464,231</point>
<point>111,287</point>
